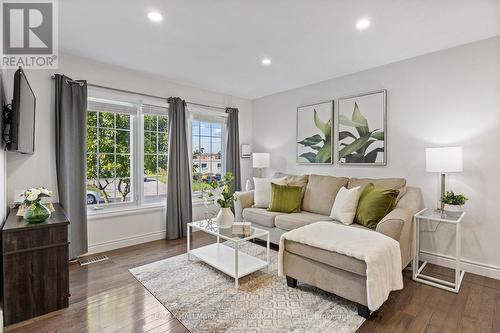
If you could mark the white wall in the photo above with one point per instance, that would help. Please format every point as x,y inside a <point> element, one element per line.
<point>451,97</point>
<point>39,169</point>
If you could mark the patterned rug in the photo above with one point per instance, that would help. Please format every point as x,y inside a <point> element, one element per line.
<point>205,300</point>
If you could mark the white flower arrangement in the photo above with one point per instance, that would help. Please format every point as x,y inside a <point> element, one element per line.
<point>221,192</point>
<point>35,195</point>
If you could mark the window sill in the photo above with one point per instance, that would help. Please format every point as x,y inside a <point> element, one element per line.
<point>201,202</point>
<point>120,211</point>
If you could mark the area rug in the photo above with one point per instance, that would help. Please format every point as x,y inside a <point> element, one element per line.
<point>205,300</point>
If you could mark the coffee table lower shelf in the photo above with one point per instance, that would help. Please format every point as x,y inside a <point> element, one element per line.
<point>228,260</point>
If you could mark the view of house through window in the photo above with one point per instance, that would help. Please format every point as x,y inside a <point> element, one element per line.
<point>207,142</point>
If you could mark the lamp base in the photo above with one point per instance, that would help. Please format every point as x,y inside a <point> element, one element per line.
<point>443,190</point>
<point>440,212</point>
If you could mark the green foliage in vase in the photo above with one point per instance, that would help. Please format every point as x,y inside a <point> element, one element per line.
<point>222,191</point>
<point>357,150</point>
<point>321,144</point>
<point>451,198</point>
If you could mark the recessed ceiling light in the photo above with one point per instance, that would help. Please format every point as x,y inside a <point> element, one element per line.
<point>363,24</point>
<point>155,16</point>
<point>266,61</point>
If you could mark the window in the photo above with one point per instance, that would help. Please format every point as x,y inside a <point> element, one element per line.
<point>127,149</point>
<point>208,133</point>
<point>155,130</point>
<point>109,153</point>
<point>126,141</point>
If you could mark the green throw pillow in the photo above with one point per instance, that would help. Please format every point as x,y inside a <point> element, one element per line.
<point>285,198</point>
<point>374,203</point>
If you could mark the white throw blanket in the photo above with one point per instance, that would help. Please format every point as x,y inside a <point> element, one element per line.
<point>380,253</point>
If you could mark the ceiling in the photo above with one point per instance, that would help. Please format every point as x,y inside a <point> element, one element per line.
<point>218,44</point>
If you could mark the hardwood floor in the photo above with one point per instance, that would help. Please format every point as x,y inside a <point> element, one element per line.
<point>105,297</point>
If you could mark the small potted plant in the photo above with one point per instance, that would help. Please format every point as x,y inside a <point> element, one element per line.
<point>453,202</point>
<point>35,211</point>
<point>221,192</point>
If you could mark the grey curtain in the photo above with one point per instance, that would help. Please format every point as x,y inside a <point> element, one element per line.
<point>179,205</point>
<point>233,147</point>
<point>71,125</point>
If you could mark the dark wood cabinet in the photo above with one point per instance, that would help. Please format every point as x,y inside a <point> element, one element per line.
<point>35,266</point>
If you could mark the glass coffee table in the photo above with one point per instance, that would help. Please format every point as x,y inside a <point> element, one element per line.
<point>227,259</point>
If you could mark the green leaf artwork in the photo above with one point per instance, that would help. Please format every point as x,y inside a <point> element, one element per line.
<point>355,146</point>
<point>319,145</point>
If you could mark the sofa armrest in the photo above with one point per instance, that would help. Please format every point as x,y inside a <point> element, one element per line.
<point>392,224</point>
<point>243,200</point>
<point>412,200</point>
<point>398,224</point>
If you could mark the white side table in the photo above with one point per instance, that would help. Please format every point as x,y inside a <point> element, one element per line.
<point>440,217</point>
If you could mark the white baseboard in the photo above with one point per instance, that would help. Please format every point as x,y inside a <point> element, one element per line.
<point>124,242</point>
<point>467,265</point>
<point>433,258</point>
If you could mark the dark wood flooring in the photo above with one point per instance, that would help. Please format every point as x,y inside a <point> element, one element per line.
<point>105,297</point>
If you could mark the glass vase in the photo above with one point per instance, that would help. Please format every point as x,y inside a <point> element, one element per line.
<point>36,213</point>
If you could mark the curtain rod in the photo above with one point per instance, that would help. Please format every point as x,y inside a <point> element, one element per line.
<point>147,95</point>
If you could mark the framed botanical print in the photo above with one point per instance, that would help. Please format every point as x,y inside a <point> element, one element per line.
<point>362,129</point>
<point>315,133</point>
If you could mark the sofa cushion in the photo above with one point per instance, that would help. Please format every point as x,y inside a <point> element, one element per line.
<point>296,180</point>
<point>297,220</point>
<point>260,216</point>
<point>375,203</point>
<point>346,202</point>
<point>333,259</point>
<point>390,183</point>
<point>293,181</point>
<point>320,193</point>
<point>262,191</point>
<point>285,198</point>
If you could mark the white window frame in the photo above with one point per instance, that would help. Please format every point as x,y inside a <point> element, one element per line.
<point>160,200</point>
<point>133,133</point>
<point>136,153</point>
<point>137,150</point>
<point>206,113</point>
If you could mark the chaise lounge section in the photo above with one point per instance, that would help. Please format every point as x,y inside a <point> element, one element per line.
<point>342,275</point>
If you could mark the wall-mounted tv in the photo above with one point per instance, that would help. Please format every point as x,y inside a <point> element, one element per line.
<point>21,120</point>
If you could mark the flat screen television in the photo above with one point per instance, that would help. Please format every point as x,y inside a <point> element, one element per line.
<point>21,136</point>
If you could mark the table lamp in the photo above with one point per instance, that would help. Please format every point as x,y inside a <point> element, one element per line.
<point>443,160</point>
<point>260,161</point>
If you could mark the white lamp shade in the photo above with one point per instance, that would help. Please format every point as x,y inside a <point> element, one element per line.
<point>260,160</point>
<point>444,159</point>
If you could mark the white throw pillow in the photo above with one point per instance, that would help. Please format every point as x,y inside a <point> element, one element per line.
<point>345,205</point>
<point>262,191</point>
